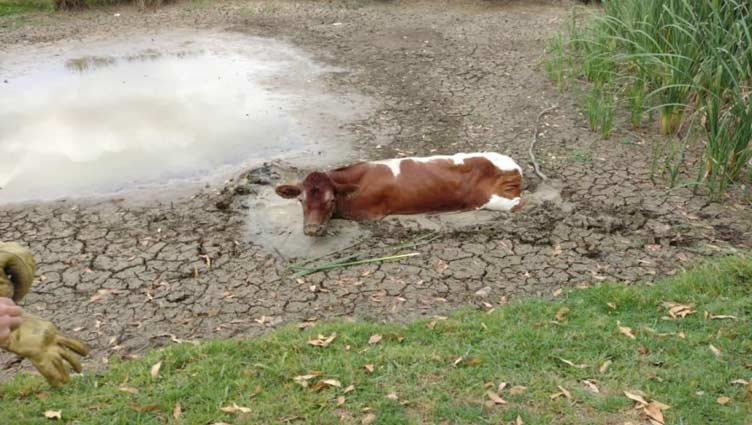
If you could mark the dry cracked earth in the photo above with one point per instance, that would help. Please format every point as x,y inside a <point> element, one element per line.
<point>126,275</point>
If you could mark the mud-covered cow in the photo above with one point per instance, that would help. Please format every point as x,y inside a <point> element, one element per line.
<point>373,190</point>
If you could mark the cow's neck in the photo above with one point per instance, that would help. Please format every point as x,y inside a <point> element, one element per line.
<point>347,176</point>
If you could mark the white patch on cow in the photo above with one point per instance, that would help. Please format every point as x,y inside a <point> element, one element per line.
<point>502,162</point>
<point>500,203</point>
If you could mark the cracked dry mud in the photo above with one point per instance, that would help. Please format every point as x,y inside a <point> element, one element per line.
<point>125,275</point>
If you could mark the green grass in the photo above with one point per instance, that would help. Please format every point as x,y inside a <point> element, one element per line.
<point>18,7</point>
<point>688,61</point>
<point>440,370</point>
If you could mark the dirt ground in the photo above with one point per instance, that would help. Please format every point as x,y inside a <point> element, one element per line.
<point>125,275</point>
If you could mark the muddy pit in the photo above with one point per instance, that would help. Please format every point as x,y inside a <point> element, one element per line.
<point>154,111</point>
<point>126,274</point>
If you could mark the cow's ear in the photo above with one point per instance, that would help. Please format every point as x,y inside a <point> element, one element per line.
<point>345,189</point>
<point>288,191</point>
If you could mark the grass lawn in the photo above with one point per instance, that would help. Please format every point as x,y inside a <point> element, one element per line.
<point>17,7</point>
<point>567,361</point>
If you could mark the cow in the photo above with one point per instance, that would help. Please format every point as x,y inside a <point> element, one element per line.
<point>433,184</point>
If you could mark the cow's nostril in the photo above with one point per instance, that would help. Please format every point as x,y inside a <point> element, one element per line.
<point>314,229</point>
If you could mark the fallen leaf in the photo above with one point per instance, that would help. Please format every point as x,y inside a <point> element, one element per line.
<point>458,360</point>
<point>677,310</point>
<point>501,387</point>
<point>440,266</point>
<point>517,389</point>
<point>561,314</point>
<point>570,363</point>
<point>626,331</point>
<point>368,419</point>
<point>740,382</point>
<point>341,400</point>
<point>177,411</point>
<point>374,339</point>
<point>101,293</point>
<point>392,396</point>
<point>590,385</point>
<point>557,292</point>
<point>326,383</point>
<point>495,397</point>
<point>612,306</point>
<point>518,421</point>
<point>723,400</point>
<point>155,369</point>
<point>654,413</point>
<point>564,391</point>
<point>723,317</point>
<point>636,397</point>
<point>715,350</point>
<point>53,414</point>
<point>369,368</point>
<point>235,408</point>
<point>128,389</point>
<point>349,388</point>
<point>604,366</point>
<point>302,380</point>
<point>322,341</point>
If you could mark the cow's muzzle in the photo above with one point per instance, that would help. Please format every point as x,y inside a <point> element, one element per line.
<point>314,229</point>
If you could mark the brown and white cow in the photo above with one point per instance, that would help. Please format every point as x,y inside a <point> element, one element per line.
<point>373,190</point>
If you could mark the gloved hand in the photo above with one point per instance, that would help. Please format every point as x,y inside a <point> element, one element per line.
<point>39,341</point>
<point>17,270</point>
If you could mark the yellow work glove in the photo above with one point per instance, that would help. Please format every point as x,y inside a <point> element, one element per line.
<point>17,270</point>
<point>39,341</point>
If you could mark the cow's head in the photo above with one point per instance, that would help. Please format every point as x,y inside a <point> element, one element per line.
<point>318,195</point>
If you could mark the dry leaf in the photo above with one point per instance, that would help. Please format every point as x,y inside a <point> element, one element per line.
<point>517,389</point>
<point>636,397</point>
<point>440,266</point>
<point>53,414</point>
<point>341,400</point>
<point>374,339</point>
<point>349,388</point>
<point>324,383</point>
<point>302,380</point>
<point>723,400</point>
<point>557,292</point>
<point>155,369</point>
<point>604,366</point>
<point>715,350</point>
<point>570,363</point>
<point>564,391</point>
<point>368,419</point>
<point>392,396</point>
<point>177,411</point>
<point>626,331</point>
<point>591,386</point>
<point>495,397</point>
<point>128,389</point>
<point>322,341</point>
<point>612,306</point>
<point>723,317</point>
<point>518,421</point>
<point>676,310</point>
<point>369,368</point>
<point>235,408</point>
<point>654,411</point>
<point>501,386</point>
<point>458,360</point>
<point>740,382</point>
<point>561,314</point>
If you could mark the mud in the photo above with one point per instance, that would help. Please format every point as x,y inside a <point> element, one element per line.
<point>126,275</point>
<point>177,107</point>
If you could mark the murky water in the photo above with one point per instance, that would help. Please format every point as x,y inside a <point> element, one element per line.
<point>97,118</point>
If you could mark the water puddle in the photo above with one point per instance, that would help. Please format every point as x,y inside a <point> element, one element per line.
<point>98,118</point>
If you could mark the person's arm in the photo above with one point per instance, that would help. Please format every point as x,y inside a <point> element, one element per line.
<point>10,318</point>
